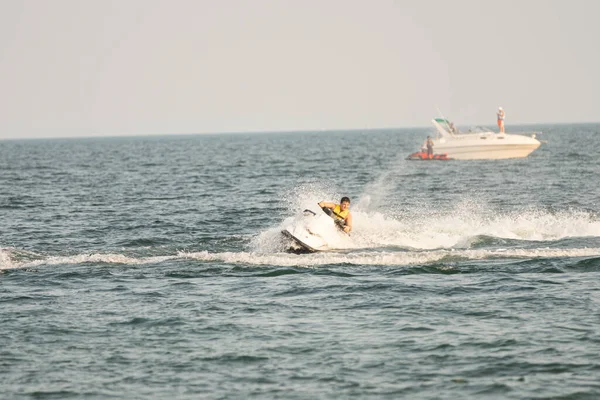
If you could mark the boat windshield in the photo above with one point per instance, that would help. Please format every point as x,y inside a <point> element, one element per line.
<point>478,129</point>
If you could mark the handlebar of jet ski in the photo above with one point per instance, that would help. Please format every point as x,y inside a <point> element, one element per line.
<point>333,214</point>
<point>339,222</point>
<point>327,211</point>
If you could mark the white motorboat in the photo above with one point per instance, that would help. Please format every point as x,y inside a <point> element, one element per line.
<point>315,232</point>
<point>481,143</point>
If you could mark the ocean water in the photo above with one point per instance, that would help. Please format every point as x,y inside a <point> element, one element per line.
<point>153,267</point>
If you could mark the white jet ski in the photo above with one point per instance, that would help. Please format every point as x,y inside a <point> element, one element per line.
<point>315,231</point>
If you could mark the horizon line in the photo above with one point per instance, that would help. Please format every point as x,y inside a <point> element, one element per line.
<point>281,131</point>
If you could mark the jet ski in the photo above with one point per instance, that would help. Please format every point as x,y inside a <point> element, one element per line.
<point>315,231</point>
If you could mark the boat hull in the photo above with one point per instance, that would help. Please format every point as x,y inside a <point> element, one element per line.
<point>488,152</point>
<point>487,147</point>
<point>482,144</point>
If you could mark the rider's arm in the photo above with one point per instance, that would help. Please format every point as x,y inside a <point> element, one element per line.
<point>348,226</point>
<point>326,204</point>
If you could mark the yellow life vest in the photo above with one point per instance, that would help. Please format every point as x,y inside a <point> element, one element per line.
<point>340,213</point>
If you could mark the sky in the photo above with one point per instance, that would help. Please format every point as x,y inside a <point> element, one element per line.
<point>142,67</point>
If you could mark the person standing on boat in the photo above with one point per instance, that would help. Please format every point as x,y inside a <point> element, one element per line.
<point>429,144</point>
<point>453,129</point>
<point>341,212</point>
<point>500,114</point>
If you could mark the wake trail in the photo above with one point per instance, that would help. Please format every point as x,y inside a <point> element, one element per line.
<point>383,258</point>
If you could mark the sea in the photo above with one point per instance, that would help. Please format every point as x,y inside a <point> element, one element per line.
<point>154,267</point>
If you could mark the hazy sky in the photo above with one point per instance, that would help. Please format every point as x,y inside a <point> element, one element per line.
<point>128,67</point>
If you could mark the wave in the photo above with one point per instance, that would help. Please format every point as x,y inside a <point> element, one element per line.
<point>370,258</point>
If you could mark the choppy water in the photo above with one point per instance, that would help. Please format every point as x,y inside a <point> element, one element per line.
<point>153,267</point>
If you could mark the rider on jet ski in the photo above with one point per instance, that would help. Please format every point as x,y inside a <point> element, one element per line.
<point>341,213</point>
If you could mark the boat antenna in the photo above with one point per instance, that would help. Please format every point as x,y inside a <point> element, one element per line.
<point>439,112</point>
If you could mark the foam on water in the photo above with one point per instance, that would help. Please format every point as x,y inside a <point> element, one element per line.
<point>458,227</point>
<point>384,258</point>
<point>6,261</point>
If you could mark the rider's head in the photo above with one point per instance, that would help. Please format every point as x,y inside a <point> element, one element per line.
<point>344,203</point>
